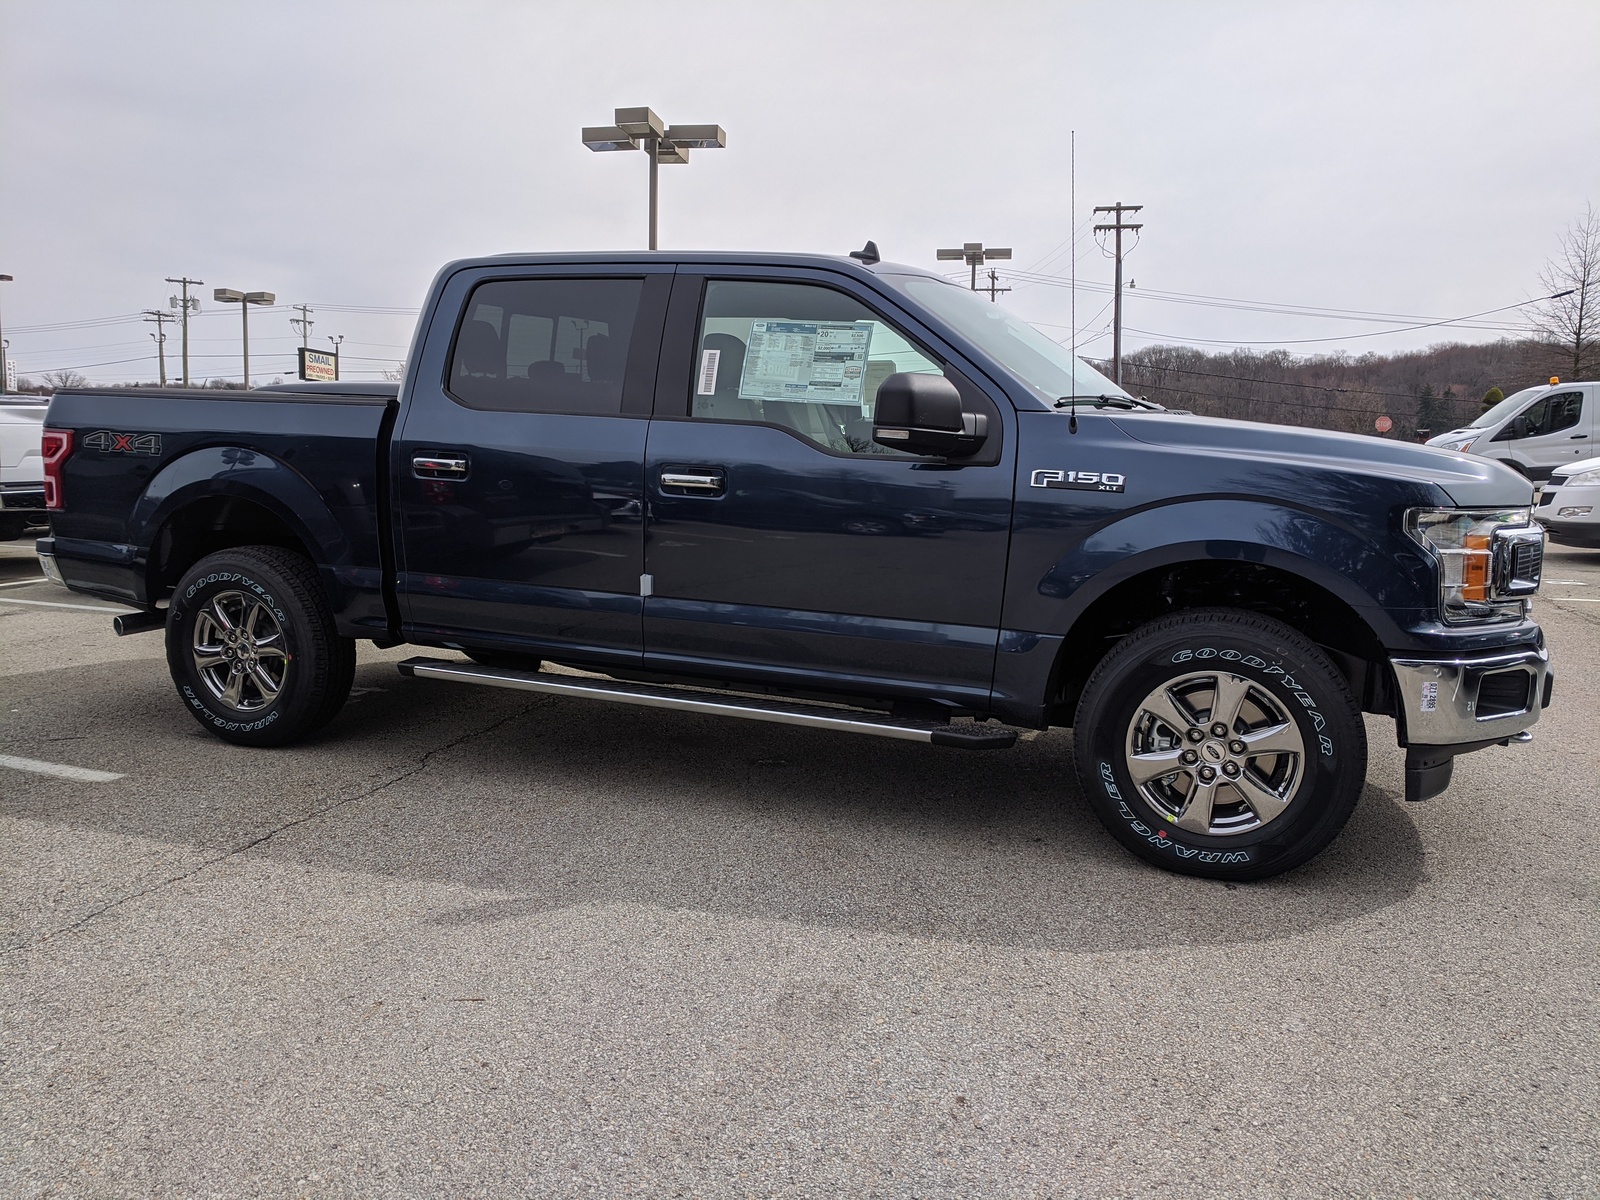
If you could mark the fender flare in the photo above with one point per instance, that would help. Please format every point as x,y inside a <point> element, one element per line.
<point>237,473</point>
<point>1269,534</point>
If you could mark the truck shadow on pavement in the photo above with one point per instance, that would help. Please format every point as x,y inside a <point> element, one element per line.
<point>551,804</point>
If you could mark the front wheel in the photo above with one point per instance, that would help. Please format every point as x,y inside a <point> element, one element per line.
<point>1220,743</point>
<point>252,647</point>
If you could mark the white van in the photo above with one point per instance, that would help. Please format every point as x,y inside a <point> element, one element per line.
<point>1537,430</point>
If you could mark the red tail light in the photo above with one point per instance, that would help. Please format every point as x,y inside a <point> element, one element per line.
<point>57,446</point>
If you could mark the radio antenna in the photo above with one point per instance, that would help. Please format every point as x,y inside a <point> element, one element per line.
<point>1072,253</point>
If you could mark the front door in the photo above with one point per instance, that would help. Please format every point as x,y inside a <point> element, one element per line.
<point>1553,431</point>
<point>519,470</point>
<point>783,544</point>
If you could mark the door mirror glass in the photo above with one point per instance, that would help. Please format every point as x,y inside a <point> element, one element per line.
<point>922,414</point>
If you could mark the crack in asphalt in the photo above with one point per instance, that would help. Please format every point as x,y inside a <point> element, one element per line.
<point>415,768</point>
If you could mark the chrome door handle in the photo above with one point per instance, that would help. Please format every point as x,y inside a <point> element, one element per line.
<point>693,481</point>
<point>428,466</point>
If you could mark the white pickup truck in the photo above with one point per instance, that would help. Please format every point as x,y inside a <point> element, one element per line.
<point>21,464</point>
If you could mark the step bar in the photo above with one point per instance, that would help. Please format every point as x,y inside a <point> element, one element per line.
<point>974,736</point>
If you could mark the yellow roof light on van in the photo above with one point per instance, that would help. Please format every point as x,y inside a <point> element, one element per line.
<point>1555,379</point>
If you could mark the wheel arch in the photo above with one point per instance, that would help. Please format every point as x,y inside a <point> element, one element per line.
<point>221,497</point>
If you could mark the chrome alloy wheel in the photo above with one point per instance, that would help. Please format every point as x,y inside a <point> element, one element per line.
<point>1215,754</point>
<point>239,651</point>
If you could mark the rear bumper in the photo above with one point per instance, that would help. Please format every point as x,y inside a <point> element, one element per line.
<point>22,497</point>
<point>1450,706</point>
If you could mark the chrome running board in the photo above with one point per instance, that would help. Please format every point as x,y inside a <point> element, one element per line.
<point>973,736</point>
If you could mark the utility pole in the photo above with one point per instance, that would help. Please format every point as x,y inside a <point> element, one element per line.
<point>1116,315</point>
<point>4,346</point>
<point>303,323</point>
<point>160,318</point>
<point>337,342</point>
<point>994,287</point>
<point>184,305</point>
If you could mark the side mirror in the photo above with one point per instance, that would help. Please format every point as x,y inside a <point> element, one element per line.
<point>1515,428</point>
<point>922,414</point>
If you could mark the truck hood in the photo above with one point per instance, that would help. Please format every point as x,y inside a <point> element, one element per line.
<point>1469,480</point>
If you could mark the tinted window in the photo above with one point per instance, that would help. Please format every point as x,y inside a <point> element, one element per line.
<point>545,345</point>
<point>1553,414</point>
<point>801,356</point>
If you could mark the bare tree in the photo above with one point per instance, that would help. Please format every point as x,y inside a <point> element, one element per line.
<point>57,380</point>
<point>1571,319</point>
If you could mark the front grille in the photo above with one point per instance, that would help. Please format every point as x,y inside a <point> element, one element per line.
<point>1504,692</point>
<point>1518,562</point>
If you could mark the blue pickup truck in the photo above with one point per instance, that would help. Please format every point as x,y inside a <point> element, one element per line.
<point>832,492</point>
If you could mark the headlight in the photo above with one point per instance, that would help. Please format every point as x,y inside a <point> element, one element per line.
<point>1588,478</point>
<point>1459,445</point>
<point>1463,542</point>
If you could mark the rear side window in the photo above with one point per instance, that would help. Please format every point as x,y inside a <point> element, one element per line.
<point>545,345</point>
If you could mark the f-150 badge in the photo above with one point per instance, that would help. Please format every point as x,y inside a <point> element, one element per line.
<point>1080,481</point>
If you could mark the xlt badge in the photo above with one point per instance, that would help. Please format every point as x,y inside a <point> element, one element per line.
<point>1080,481</point>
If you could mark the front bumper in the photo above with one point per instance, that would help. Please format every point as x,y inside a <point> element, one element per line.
<point>1449,706</point>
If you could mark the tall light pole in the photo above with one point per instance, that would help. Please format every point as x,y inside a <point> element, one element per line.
<point>974,255</point>
<point>244,300</point>
<point>3,279</point>
<point>641,129</point>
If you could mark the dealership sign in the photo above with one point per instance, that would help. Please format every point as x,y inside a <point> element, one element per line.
<point>318,365</point>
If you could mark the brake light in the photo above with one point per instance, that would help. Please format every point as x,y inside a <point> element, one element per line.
<point>57,445</point>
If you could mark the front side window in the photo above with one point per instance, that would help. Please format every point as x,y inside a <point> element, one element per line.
<point>801,356</point>
<point>545,345</point>
<point>1553,414</point>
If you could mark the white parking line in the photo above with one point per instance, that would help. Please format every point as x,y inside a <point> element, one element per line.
<point>25,582</point>
<point>82,774</point>
<point>57,604</point>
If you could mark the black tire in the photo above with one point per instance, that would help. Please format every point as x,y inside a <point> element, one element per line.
<point>1294,752</point>
<point>243,620</point>
<point>12,527</point>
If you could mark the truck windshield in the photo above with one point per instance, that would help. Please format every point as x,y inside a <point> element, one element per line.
<point>1504,409</point>
<point>1037,360</point>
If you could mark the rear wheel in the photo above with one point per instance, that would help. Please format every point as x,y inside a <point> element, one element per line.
<point>252,647</point>
<point>1220,743</point>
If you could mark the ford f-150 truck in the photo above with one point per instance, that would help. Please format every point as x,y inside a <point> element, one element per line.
<point>834,492</point>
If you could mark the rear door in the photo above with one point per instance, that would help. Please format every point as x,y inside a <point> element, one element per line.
<point>518,469</point>
<point>782,543</point>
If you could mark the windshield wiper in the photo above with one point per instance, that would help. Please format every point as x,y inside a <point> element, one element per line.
<point>1106,401</point>
<point>1102,400</point>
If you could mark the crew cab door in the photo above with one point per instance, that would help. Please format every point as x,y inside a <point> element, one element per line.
<point>1556,429</point>
<point>782,543</point>
<point>518,466</point>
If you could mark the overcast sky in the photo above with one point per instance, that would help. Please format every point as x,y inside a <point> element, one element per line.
<point>1417,160</point>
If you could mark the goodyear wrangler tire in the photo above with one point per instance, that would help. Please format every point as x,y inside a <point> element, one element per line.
<point>1220,743</point>
<point>252,647</point>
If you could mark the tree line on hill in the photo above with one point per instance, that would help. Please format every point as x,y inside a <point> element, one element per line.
<point>1422,392</point>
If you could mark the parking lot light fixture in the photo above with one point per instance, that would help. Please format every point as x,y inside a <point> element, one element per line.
<point>642,129</point>
<point>974,254</point>
<point>244,300</point>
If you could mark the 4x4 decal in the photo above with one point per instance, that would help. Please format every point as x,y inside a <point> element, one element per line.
<point>107,442</point>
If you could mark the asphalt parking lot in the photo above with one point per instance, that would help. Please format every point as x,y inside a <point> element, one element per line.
<point>474,943</point>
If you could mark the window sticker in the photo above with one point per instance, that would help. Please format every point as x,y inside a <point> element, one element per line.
<point>708,372</point>
<point>807,361</point>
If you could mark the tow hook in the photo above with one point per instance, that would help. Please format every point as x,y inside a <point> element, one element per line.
<point>1519,739</point>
